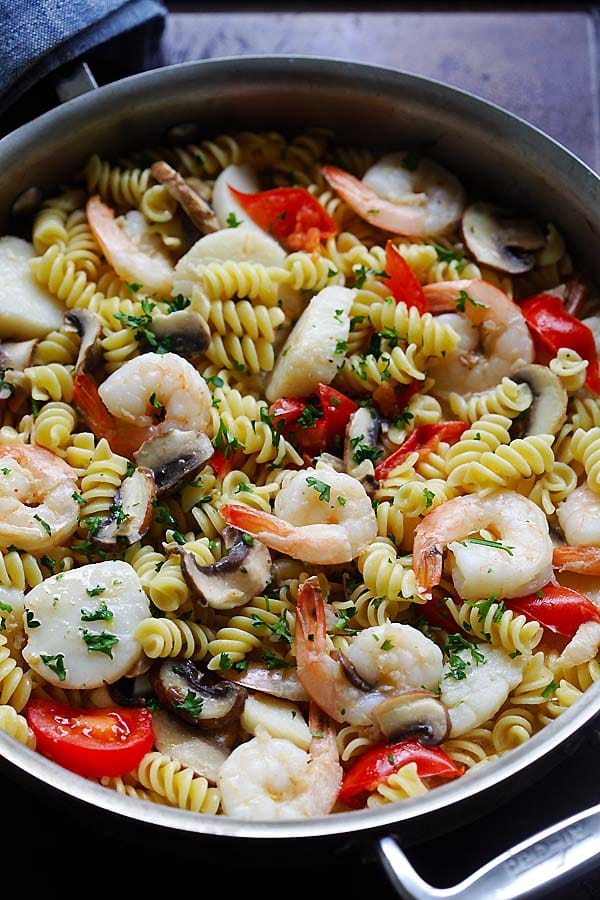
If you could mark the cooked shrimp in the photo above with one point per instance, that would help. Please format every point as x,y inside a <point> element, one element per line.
<point>128,261</point>
<point>387,659</point>
<point>423,201</point>
<point>321,516</point>
<point>516,561</point>
<point>488,678</point>
<point>272,778</point>
<point>37,507</point>
<point>579,517</point>
<point>154,382</point>
<point>494,342</point>
<point>582,647</point>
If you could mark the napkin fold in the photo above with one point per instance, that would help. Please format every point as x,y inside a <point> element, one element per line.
<point>37,37</point>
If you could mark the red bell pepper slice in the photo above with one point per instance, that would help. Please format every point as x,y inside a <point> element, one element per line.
<point>292,215</point>
<point>559,609</point>
<point>376,765</point>
<point>404,284</point>
<point>335,409</point>
<point>423,439</point>
<point>553,327</point>
<point>91,742</point>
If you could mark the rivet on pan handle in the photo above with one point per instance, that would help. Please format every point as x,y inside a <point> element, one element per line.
<point>540,863</point>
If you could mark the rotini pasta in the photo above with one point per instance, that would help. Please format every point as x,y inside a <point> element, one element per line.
<point>344,504</point>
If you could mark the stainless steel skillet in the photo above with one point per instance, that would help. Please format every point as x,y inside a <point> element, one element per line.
<point>497,156</point>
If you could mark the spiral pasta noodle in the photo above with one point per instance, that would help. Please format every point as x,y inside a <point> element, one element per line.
<point>177,784</point>
<point>319,496</point>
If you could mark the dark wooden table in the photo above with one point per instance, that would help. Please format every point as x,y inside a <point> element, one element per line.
<point>540,62</point>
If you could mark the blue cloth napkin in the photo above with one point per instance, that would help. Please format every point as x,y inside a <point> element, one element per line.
<point>39,36</point>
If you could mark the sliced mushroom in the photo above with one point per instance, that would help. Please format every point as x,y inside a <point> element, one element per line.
<point>232,580</point>
<point>199,211</point>
<point>184,332</point>
<point>197,696</point>
<point>174,457</point>
<point>89,328</point>
<point>130,516</point>
<point>548,409</point>
<point>205,754</point>
<point>128,691</point>
<point>413,714</point>
<point>283,683</point>
<point>351,673</point>
<point>16,355</point>
<point>360,445</point>
<point>497,239</point>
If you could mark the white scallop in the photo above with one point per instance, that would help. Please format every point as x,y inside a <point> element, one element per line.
<point>55,624</point>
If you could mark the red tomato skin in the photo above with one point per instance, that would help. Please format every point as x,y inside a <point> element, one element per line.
<point>424,438</point>
<point>377,764</point>
<point>65,735</point>
<point>559,609</point>
<point>404,284</point>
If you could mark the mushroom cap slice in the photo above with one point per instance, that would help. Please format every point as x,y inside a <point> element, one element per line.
<point>184,331</point>
<point>283,683</point>
<point>174,457</point>
<point>16,354</point>
<point>205,754</point>
<point>413,714</point>
<point>200,698</point>
<point>200,212</point>
<point>89,328</point>
<point>360,445</point>
<point>234,579</point>
<point>548,409</point>
<point>130,516</point>
<point>497,239</point>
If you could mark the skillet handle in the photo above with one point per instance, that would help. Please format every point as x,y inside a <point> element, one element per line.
<point>539,863</point>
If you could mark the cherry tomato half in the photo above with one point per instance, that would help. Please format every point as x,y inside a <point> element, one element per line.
<point>91,742</point>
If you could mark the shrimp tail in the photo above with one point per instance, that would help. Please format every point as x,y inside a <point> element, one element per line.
<point>311,626</point>
<point>585,560</point>
<point>104,425</point>
<point>428,557</point>
<point>265,527</point>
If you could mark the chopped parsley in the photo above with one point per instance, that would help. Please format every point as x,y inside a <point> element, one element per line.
<point>449,256</point>
<point>549,689</point>
<point>43,523</point>
<point>387,645</point>
<point>224,441</point>
<point>273,661</point>
<point>101,614</point>
<point>232,221</point>
<point>56,663</point>
<point>178,303</point>
<point>462,300</point>
<point>495,544</point>
<point>31,621</point>
<point>429,498</point>
<point>457,665</point>
<point>192,705</point>
<point>94,592</point>
<point>323,489</point>
<point>99,643</point>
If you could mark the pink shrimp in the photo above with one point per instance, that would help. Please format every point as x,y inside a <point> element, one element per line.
<point>128,261</point>
<point>494,338</point>
<point>380,662</point>
<point>37,505</point>
<point>422,201</point>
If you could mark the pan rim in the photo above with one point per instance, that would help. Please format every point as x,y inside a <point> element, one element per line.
<point>550,739</point>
